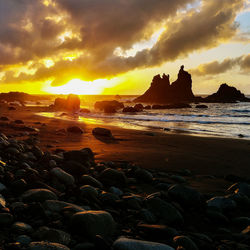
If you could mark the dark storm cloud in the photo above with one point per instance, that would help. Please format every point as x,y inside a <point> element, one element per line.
<point>215,67</point>
<point>100,26</point>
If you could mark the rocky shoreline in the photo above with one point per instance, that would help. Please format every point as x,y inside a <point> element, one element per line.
<point>66,200</point>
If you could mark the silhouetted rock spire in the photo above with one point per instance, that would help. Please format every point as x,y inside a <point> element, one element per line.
<point>161,91</point>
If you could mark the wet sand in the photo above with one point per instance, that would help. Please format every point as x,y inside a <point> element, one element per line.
<point>205,157</point>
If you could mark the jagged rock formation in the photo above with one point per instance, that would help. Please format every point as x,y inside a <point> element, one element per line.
<point>227,94</point>
<point>161,91</point>
<point>72,103</point>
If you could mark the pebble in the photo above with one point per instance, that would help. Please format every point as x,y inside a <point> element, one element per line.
<point>132,244</point>
<point>92,223</point>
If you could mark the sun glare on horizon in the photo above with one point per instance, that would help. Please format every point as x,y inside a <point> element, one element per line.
<point>80,87</point>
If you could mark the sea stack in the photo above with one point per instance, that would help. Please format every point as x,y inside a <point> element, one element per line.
<point>161,91</point>
<point>227,94</point>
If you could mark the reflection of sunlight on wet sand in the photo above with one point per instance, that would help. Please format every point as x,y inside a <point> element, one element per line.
<point>87,120</point>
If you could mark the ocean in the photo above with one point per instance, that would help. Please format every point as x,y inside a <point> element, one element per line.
<point>219,120</point>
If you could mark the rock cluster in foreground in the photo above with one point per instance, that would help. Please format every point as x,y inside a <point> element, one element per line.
<point>68,201</point>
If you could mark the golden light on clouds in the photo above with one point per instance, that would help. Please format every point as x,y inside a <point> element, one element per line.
<point>76,42</point>
<point>79,87</point>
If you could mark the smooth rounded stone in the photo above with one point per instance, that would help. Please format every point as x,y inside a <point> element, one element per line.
<point>163,186</point>
<point>37,152</point>
<point>112,177</point>
<point>2,202</point>
<point>166,212</point>
<point>58,206</point>
<point>116,191</point>
<point>52,164</point>
<point>2,170</point>
<point>246,230</point>
<point>2,187</point>
<point>92,223</point>
<point>52,235</point>
<point>89,180</point>
<point>80,156</point>
<point>12,151</point>
<point>19,185</point>
<point>132,202</point>
<point>241,222</point>
<point>108,198</point>
<point>217,217</point>
<point>184,195</point>
<point>185,242</point>
<point>178,178</point>
<point>6,219</point>
<point>240,187</point>
<point>38,195</point>
<point>21,228</point>
<point>158,231</point>
<point>74,168</point>
<point>63,176</point>
<point>143,175</point>
<point>102,132</point>
<point>23,239</point>
<point>88,192</point>
<point>75,130</point>
<point>43,245</point>
<point>132,244</point>
<point>85,246</point>
<point>222,203</point>
<point>147,216</point>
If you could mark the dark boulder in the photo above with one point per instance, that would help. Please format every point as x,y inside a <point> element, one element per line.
<point>201,106</point>
<point>102,105</point>
<point>227,94</point>
<point>72,103</point>
<point>75,130</point>
<point>102,132</point>
<point>109,110</point>
<point>129,110</point>
<point>161,91</point>
<point>139,107</point>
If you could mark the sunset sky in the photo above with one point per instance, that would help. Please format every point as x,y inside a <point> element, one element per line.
<point>117,46</point>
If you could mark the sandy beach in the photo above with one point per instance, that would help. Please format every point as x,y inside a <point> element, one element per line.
<point>205,157</point>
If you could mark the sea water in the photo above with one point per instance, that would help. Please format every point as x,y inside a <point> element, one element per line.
<point>219,119</point>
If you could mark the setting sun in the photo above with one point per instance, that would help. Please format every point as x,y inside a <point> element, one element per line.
<point>77,86</point>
